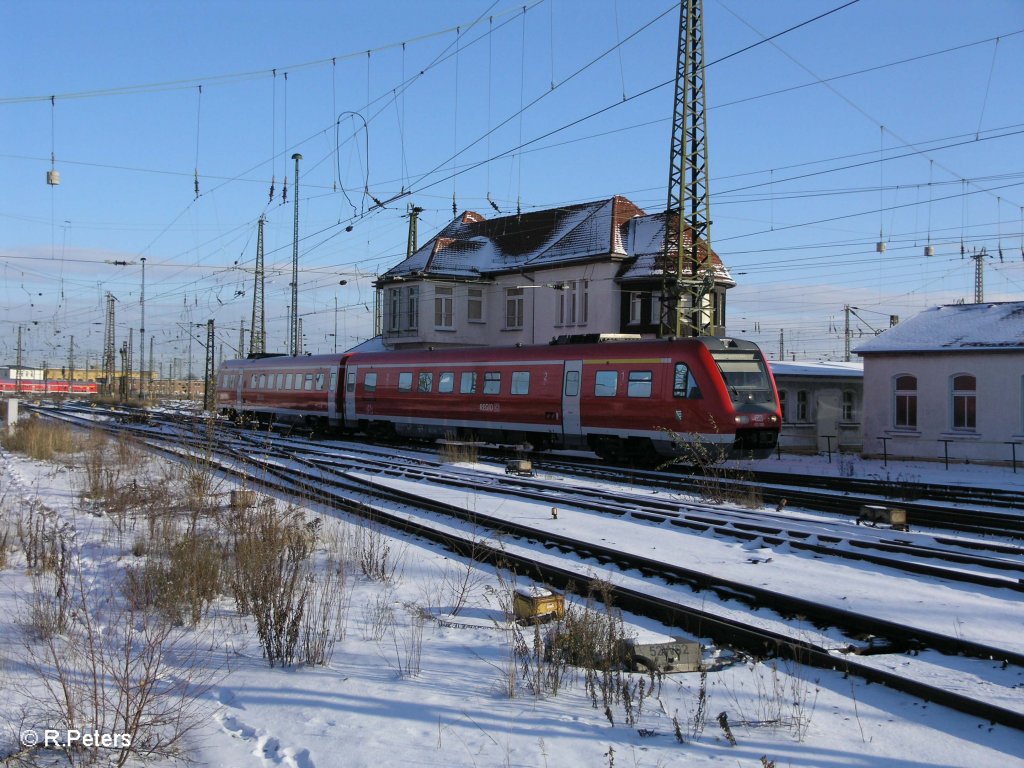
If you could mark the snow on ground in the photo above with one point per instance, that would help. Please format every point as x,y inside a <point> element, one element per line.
<point>406,689</point>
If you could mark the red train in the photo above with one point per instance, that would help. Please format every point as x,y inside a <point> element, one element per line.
<point>26,386</point>
<point>621,399</point>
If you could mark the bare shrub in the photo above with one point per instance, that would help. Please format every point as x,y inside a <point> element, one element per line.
<point>325,619</point>
<point>452,450</point>
<point>181,584</point>
<point>409,648</point>
<point>110,671</point>
<point>270,577</point>
<point>376,560</point>
<point>379,615</point>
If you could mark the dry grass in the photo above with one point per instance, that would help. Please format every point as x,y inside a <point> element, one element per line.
<point>40,439</point>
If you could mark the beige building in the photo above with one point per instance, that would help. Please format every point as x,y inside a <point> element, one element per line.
<point>947,384</point>
<point>525,279</point>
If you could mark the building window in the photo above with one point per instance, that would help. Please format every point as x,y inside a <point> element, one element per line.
<point>803,410</point>
<point>848,411</point>
<point>639,384</point>
<point>606,383</point>
<point>475,305</point>
<point>636,308</point>
<point>964,401</point>
<point>394,309</point>
<point>655,309</point>
<point>405,381</point>
<point>492,383</point>
<point>513,308</point>
<point>412,319</point>
<point>520,383</point>
<point>444,305</point>
<point>906,402</point>
<point>370,382</point>
<point>446,382</point>
<point>573,303</point>
<point>467,383</point>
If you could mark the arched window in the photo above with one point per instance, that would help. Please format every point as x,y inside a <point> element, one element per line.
<point>964,393</point>
<point>905,406</point>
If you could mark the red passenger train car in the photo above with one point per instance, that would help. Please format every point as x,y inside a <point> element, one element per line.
<point>50,386</point>
<point>623,399</point>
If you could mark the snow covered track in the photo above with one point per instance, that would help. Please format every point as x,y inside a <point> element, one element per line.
<point>648,562</point>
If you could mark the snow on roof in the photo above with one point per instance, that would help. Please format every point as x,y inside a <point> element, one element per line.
<point>375,344</point>
<point>955,327</point>
<point>647,243</point>
<point>817,368</point>
<point>472,245</point>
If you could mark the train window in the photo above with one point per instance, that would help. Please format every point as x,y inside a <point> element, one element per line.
<point>350,383</point>
<point>253,380</point>
<point>446,382</point>
<point>425,383</point>
<point>289,381</point>
<point>320,381</point>
<point>905,394</point>
<point>639,384</point>
<point>492,383</point>
<point>405,381</point>
<point>467,383</point>
<point>683,383</point>
<point>606,383</point>
<point>263,381</point>
<point>370,382</point>
<point>309,382</point>
<point>334,380</point>
<point>520,382</point>
<point>572,383</point>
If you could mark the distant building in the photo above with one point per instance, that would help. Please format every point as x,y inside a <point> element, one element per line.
<point>822,405</point>
<point>579,269</point>
<point>26,374</point>
<point>947,383</point>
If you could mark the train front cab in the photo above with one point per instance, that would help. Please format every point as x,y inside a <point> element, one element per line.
<point>751,391</point>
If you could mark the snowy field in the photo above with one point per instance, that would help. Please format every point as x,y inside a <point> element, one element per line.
<point>409,681</point>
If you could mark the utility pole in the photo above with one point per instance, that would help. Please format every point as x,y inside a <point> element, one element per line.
<point>414,215</point>
<point>688,209</point>
<point>979,275</point>
<point>142,331</point>
<point>241,339</point>
<point>846,334</point>
<point>17,377</point>
<point>109,362</point>
<point>258,334</point>
<point>782,343</point>
<point>71,363</point>
<point>208,377</point>
<point>294,325</point>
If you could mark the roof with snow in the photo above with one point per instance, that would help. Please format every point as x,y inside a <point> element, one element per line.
<point>957,328</point>
<point>646,242</point>
<point>830,368</point>
<point>472,246</point>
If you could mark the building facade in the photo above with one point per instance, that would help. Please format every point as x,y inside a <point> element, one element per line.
<point>822,405</point>
<point>948,385</point>
<point>525,279</point>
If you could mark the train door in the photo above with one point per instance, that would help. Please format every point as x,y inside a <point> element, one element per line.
<point>571,385</point>
<point>350,395</point>
<point>239,383</point>
<point>332,397</point>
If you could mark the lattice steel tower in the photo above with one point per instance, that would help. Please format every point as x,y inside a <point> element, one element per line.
<point>109,358</point>
<point>683,287</point>
<point>258,334</point>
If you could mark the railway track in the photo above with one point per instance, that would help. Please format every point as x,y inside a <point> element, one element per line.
<point>548,554</point>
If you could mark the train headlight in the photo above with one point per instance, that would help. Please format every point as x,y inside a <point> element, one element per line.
<point>742,419</point>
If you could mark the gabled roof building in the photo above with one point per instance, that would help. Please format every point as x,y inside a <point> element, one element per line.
<point>948,384</point>
<point>585,268</point>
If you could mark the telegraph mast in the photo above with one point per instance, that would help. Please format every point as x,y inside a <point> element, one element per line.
<point>683,288</point>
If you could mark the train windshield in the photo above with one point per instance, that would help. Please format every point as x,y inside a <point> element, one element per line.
<point>746,376</point>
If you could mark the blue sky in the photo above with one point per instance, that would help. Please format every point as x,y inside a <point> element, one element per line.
<point>899,120</point>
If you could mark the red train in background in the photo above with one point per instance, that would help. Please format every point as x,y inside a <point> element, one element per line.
<point>52,386</point>
<point>625,399</point>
